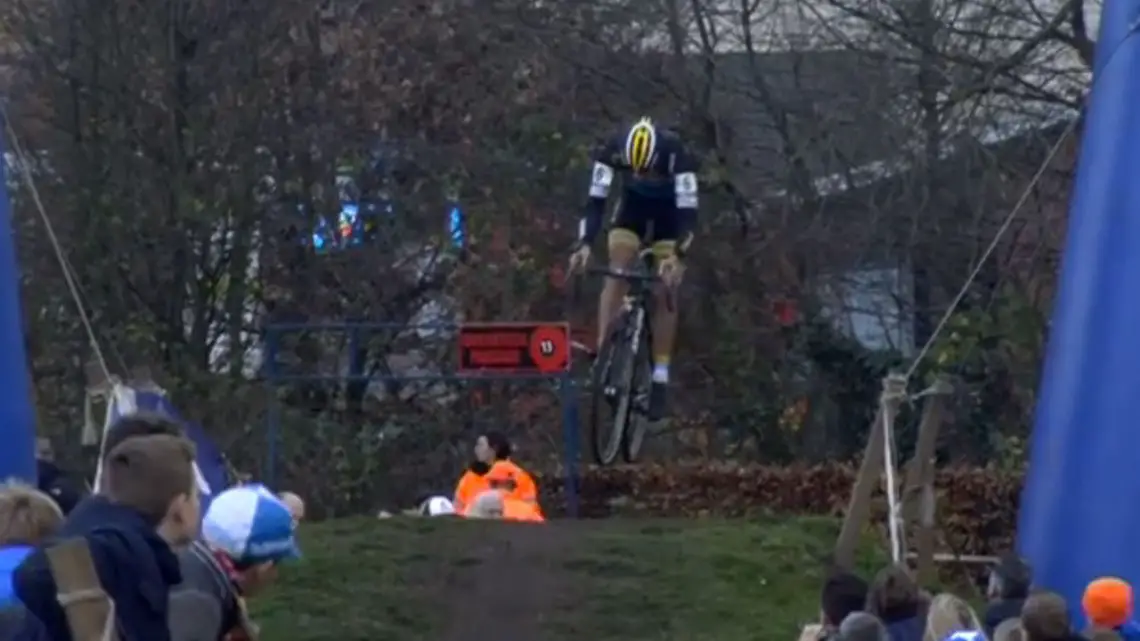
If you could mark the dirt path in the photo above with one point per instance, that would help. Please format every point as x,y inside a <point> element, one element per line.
<point>516,585</point>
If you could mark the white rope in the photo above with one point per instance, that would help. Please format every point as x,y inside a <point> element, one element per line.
<point>895,525</point>
<point>68,273</point>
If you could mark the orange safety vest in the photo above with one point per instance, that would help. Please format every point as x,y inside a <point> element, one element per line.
<point>514,481</point>
<point>516,510</point>
<point>470,486</point>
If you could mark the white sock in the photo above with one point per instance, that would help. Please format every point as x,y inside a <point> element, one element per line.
<point>660,373</point>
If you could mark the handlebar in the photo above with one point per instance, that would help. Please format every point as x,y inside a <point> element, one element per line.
<point>624,274</point>
<point>637,274</point>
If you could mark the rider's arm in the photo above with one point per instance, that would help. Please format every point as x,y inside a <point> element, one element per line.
<point>686,189</point>
<point>601,180</point>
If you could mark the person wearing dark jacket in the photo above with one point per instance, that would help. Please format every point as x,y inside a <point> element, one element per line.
<point>894,597</point>
<point>52,481</point>
<point>1045,617</point>
<point>1008,588</point>
<point>246,532</point>
<point>843,593</point>
<point>150,504</point>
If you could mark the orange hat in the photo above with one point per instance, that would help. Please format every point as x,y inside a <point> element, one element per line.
<point>1108,602</point>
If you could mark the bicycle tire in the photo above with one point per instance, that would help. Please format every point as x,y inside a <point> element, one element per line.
<point>607,436</point>
<point>641,378</point>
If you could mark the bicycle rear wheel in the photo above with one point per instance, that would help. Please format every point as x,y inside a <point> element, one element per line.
<point>611,390</point>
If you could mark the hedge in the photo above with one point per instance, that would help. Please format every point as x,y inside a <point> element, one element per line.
<point>977,507</point>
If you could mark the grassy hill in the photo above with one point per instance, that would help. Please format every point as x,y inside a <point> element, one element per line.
<point>629,580</point>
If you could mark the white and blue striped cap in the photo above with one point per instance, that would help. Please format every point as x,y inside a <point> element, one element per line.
<point>250,525</point>
<point>967,635</point>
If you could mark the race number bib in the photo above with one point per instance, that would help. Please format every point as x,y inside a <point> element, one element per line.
<point>601,180</point>
<point>686,190</point>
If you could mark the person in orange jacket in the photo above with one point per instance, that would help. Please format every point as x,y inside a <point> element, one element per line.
<point>489,448</point>
<point>508,476</point>
<point>497,504</point>
<point>523,511</point>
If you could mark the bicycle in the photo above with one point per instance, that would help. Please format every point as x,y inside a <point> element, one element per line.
<point>621,375</point>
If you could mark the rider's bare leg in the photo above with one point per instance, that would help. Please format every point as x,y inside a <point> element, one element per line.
<point>664,321</point>
<point>664,331</point>
<point>623,247</point>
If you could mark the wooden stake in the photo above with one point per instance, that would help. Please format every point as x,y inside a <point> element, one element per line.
<point>918,495</point>
<point>870,470</point>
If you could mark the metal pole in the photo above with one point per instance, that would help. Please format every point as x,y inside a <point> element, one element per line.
<point>570,436</point>
<point>273,415</point>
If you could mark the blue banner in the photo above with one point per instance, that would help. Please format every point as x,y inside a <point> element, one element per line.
<point>17,416</point>
<point>1079,518</point>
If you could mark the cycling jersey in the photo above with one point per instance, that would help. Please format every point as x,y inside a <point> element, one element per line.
<point>666,194</point>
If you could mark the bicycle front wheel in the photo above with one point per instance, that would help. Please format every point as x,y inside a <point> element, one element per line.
<point>611,390</point>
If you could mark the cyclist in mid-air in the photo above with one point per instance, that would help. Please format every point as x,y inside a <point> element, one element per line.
<point>658,205</point>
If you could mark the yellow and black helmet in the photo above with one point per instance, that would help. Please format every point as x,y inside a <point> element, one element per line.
<point>641,145</point>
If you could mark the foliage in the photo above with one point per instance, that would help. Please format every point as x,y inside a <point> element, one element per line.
<point>410,579</point>
<point>190,148</point>
<point>993,351</point>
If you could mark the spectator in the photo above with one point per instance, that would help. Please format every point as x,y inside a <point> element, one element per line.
<point>296,506</point>
<point>150,504</point>
<point>1045,617</point>
<point>18,624</point>
<point>52,480</point>
<point>28,518</point>
<point>488,505</point>
<point>948,616</point>
<point>132,426</point>
<point>1107,603</point>
<point>861,626</point>
<point>515,509</point>
<point>489,448</point>
<point>894,598</point>
<point>1008,588</point>
<point>245,533</point>
<point>1009,630</point>
<point>1101,634</point>
<point>843,593</point>
<point>508,476</point>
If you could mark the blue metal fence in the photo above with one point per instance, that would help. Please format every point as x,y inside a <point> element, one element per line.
<point>355,332</point>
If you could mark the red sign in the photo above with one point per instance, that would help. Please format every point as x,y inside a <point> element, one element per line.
<point>516,348</point>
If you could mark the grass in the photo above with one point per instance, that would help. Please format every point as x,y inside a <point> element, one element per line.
<point>627,580</point>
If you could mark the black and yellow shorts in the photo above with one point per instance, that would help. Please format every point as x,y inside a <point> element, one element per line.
<point>642,220</point>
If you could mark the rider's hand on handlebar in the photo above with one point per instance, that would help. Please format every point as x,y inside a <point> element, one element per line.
<point>670,269</point>
<point>579,259</point>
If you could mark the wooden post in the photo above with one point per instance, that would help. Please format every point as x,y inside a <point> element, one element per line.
<point>90,613</point>
<point>918,495</point>
<point>870,470</point>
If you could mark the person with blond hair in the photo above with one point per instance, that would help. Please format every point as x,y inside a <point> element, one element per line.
<point>949,616</point>
<point>149,506</point>
<point>295,504</point>
<point>28,518</point>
